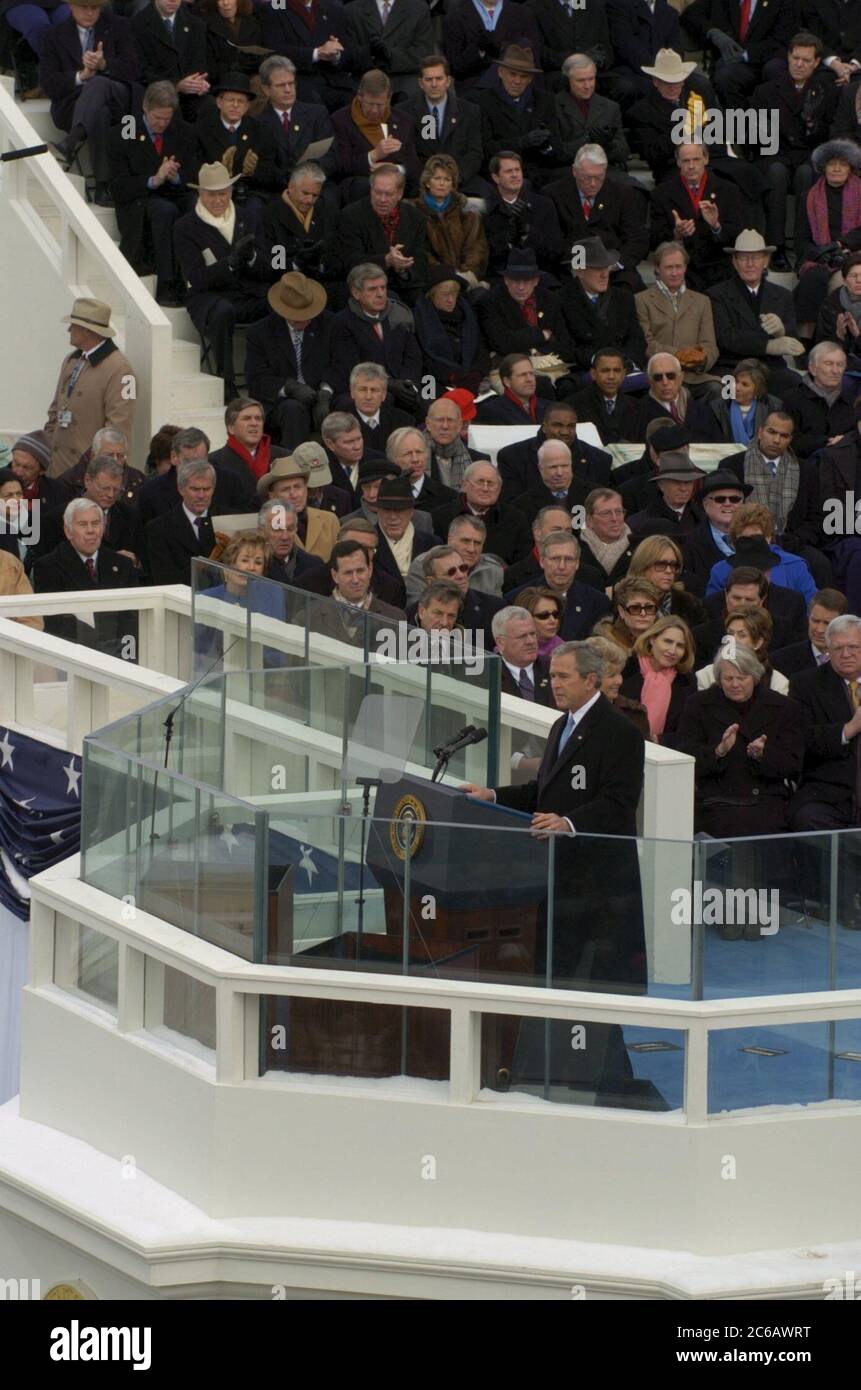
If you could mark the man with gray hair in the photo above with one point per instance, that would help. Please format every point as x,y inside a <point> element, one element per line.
<point>829,792</point>
<point>277,521</point>
<point>82,561</point>
<point>294,124</point>
<point>108,442</point>
<point>523,672</point>
<point>591,205</point>
<point>589,784</point>
<point>375,328</point>
<point>559,554</point>
<point>584,117</point>
<point>507,529</point>
<point>822,404</point>
<point>234,484</point>
<point>408,448</point>
<point>368,400</point>
<point>186,531</point>
<point>557,485</point>
<point>445,563</point>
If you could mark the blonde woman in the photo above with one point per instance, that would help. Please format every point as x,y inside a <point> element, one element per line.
<point>662,679</point>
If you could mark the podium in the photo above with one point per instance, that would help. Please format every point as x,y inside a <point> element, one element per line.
<point>485,891</point>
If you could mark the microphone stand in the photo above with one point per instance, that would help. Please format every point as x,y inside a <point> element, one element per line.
<point>366,783</point>
<point>168,729</point>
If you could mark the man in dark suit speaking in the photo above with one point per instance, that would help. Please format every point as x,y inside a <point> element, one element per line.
<point>588,785</point>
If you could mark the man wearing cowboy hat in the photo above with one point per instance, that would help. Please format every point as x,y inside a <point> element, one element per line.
<point>752,316</point>
<point>172,44</point>
<point>515,115</point>
<point>287,481</point>
<point>88,70</point>
<point>519,316</point>
<point>287,357</point>
<point>96,386</point>
<point>475,32</point>
<point>596,313</point>
<point>654,116</point>
<point>674,485</point>
<point>223,265</point>
<point>240,142</point>
<point>638,31</point>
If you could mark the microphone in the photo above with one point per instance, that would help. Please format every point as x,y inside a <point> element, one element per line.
<point>168,723</point>
<point>461,733</point>
<point>23,154</point>
<point>464,739</point>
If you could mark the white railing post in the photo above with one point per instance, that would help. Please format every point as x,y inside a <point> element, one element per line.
<point>697,1073</point>
<point>131,969</point>
<point>88,708</point>
<point>229,1034</point>
<point>465,1055</point>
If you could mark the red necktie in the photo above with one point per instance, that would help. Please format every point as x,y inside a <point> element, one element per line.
<point>91,568</point>
<point>674,411</point>
<point>158,141</point>
<point>587,205</point>
<point>378,329</point>
<point>285,121</point>
<point>743,20</point>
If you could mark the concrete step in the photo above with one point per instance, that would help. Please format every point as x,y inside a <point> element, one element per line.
<point>185,357</point>
<point>183,328</point>
<point>190,393</point>
<point>210,420</point>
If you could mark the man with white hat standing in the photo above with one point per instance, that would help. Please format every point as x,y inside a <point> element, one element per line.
<point>753,317</point>
<point>96,387</point>
<point>223,266</point>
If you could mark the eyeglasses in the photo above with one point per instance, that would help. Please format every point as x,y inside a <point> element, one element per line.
<point>664,376</point>
<point>728,498</point>
<point>547,613</point>
<point>667,565</point>
<point>457,569</point>
<point>641,609</point>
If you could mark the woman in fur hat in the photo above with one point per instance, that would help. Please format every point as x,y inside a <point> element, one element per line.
<point>832,225</point>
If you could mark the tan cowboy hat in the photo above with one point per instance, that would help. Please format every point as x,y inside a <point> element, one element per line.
<point>282,468</point>
<point>92,314</point>
<point>748,240</point>
<point>669,67</point>
<point>314,456</point>
<point>214,178</point>
<point>518,59</point>
<point>294,296</point>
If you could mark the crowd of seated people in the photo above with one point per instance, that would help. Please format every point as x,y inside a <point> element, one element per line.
<point>425,219</point>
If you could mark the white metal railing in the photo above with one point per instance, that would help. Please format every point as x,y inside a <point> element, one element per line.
<point>60,898</point>
<point>48,270</point>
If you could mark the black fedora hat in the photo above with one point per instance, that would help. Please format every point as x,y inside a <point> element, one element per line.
<point>438,274</point>
<point>374,470</point>
<point>722,478</point>
<point>754,551</point>
<point>595,254</point>
<point>521,264</point>
<point>234,82</point>
<point>395,495</point>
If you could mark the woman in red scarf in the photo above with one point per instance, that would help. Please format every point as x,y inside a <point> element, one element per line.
<point>833,218</point>
<point>662,680</point>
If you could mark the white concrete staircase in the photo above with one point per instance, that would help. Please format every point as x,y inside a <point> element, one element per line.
<point>196,397</point>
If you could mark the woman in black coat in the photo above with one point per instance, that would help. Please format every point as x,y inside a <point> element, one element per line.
<point>230,26</point>
<point>748,741</point>
<point>448,333</point>
<point>658,675</point>
<point>659,559</point>
<point>736,421</point>
<point>839,318</point>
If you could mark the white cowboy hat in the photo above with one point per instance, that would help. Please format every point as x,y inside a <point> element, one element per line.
<point>214,178</point>
<point>748,240</point>
<point>669,67</point>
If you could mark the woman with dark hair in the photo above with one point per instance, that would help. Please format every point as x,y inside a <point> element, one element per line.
<point>231,25</point>
<point>158,458</point>
<point>662,661</point>
<point>547,610</point>
<point>659,559</point>
<point>839,319</point>
<point>753,628</point>
<point>448,333</point>
<point>455,236</point>
<point>635,608</point>
<point>738,419</point>
<point>832,225</point>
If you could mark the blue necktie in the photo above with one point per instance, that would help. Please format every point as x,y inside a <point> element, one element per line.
<point>91,41</point>
<point>168,24</point>
<point>566,735</point>
<point>527,689</point>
